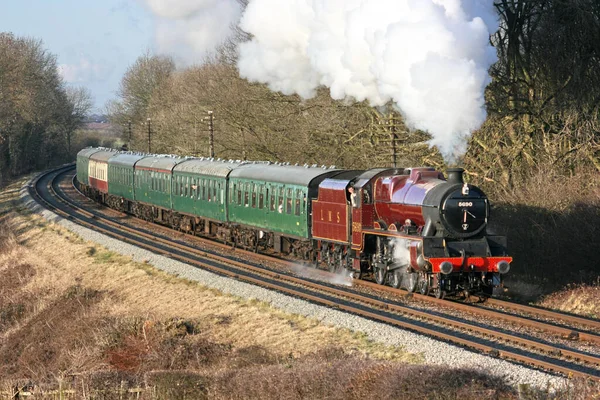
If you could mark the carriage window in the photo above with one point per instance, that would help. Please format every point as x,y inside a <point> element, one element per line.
<point>246,198</point>
<point>253,195</point>
<point>261,197</point>
<point>272,202</point>
<point>297,205</point>
<point>288,206</point>
<point>239,196</point>
<point>304,203</point>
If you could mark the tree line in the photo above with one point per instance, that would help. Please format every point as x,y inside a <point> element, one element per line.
<point>39,114</point>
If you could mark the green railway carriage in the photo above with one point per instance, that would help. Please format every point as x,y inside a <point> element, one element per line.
<point>83,162</point>
<point>199,188</point>
<point>274,197</point>
<point>121,174</point>
<point>152,180</point>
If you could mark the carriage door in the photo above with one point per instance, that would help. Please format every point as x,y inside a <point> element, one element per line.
<point>362,215</point>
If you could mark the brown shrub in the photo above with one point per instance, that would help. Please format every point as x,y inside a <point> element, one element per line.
<point>176,385</point>
<point>186,353</point>
<point>139,346</point>
<point>105,385</point>
<point>46,342</point>
<point>128,356</point>
<point>356,378</point>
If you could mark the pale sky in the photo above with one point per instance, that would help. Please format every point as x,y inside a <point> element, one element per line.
<point>95,41</point>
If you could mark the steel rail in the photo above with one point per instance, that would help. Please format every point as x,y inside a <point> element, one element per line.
<point>574,319</point>
<point>564,332</point>
<point>365,300</point>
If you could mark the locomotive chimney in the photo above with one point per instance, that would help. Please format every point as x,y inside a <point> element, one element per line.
<point>455,175</point>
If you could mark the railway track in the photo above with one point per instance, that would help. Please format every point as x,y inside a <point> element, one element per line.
<point>499,343</point>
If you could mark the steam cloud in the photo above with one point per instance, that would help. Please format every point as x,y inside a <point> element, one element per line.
<point>429,57</point>
<point>191,29</point>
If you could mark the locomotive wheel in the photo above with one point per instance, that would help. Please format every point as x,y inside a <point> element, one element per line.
<point>380,276</point>
<point>439,293</point>
<point>411,281</point>
<point>333,259</point>
<point>396,278</point>
<point>424,288</point>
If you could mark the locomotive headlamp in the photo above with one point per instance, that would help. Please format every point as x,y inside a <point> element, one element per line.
<point>446,267</point>
<point>503,267</point>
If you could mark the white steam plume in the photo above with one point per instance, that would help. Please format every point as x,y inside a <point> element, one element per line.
<point>401,251</point>
<point>320,275</point>
<point>429,57</point>
<point>191,29</point>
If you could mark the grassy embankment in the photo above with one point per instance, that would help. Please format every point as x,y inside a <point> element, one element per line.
<point>74,315</point>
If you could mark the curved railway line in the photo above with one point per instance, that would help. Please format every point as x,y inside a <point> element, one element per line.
<point>55,191</point>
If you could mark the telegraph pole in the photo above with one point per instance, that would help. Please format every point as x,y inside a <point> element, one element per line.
<point>394,137</point>
<point>149,135</point>
<point>211,138</point>
<point>129,138</point>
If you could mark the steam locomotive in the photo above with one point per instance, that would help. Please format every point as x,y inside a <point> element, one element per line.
<point>406,227</point>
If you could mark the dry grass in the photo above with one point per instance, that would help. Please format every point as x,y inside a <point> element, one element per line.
<point>138,289</point>
<point>72,307</point>
<point>100,324</point>
<point>577,299</point>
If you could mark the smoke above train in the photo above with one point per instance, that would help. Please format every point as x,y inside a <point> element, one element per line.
<point>430,58</point>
